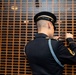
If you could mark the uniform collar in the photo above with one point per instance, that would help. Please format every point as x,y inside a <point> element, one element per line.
<point>41,35</point>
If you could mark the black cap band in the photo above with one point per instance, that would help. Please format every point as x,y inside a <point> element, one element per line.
<point>44,15</point>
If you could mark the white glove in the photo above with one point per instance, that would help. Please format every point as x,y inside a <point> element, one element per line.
<point>69,35</point>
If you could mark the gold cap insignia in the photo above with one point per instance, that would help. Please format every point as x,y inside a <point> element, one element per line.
<point>71,52</point>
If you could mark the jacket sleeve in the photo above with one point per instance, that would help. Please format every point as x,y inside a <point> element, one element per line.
<point>67,55</point>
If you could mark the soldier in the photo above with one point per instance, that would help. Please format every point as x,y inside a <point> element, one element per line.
<point>46,55</point>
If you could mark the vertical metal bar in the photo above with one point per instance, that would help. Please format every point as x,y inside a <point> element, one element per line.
<point>72,28</point>
<point>1,35</point>
<point>52,6</point>
<point>7,38</point>
<point>32,20</point>
<point>65,30</point>
<point>26,19</point>
<point>26,31</point>
<point>59,16</point>
<point>72,17</point>
<point>19,38</point>
<point>66,16</point>
<point>13,42</point>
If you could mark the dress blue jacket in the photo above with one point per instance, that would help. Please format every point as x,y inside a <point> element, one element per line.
<point>41,60</point>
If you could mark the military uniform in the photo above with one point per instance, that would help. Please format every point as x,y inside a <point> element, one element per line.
<point>41,59</point>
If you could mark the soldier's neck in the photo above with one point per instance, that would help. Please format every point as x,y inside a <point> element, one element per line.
<point>43,33</point>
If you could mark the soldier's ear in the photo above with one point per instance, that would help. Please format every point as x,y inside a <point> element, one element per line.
<point>49,25</point>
